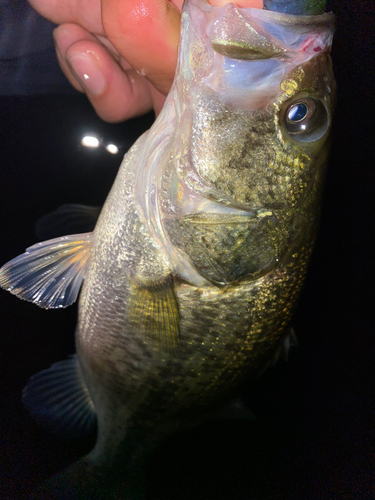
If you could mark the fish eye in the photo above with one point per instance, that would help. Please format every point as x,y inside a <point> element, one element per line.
<point>297,112</point>
<point>306,119</point>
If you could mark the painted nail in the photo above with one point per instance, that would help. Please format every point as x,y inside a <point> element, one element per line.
<point>86,70</point>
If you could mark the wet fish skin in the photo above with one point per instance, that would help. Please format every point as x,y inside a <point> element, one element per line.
<point>202,246</point>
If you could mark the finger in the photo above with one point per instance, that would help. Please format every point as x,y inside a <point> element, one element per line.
<point>146,33</point>
<point>115,94</point>
<point>87,13</point>
<point>64,36</point>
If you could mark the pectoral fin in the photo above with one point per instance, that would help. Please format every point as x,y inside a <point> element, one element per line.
<point>58,398</point>
<point>49,274</point>
<point>153,312</point>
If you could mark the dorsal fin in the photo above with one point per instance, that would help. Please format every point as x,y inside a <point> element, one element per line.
<point>71,218</point>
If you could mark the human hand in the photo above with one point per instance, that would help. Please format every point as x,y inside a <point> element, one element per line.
<point>122,54</point>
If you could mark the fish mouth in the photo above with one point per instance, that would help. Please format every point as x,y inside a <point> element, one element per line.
<point>241,33</point>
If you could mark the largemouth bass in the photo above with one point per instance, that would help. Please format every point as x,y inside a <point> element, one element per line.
<point>191,275</point>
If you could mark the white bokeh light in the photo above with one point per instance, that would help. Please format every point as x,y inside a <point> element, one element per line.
<point>90,141</point>
<point>112,148</point>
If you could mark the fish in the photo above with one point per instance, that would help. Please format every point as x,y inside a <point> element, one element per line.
<point>189,281</point>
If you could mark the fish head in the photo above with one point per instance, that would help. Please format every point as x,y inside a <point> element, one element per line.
<point>263,109</point>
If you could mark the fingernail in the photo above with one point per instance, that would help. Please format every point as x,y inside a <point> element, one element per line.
<point>86,70</point>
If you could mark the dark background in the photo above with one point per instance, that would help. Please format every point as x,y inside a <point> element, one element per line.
<point>313,437</point>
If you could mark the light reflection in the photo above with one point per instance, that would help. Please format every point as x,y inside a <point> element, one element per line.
<point>112,148</point>
<point>90,141</point>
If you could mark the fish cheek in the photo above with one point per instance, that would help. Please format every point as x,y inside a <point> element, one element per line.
<point>241,145</point>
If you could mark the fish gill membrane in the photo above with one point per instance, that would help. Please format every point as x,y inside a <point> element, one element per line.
<point>191,275</point>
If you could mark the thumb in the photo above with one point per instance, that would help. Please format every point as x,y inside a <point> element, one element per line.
<point>146,34</point>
